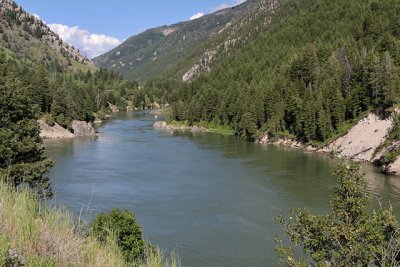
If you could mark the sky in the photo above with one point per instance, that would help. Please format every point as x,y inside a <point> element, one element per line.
<point>96,26</point>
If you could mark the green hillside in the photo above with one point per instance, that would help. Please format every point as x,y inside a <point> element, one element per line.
<point>30,38</point>
<point>314,69</point>
<point>179,46</point>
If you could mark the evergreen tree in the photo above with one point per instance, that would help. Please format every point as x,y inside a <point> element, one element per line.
<point>350,235</point>
<point>22,161</point>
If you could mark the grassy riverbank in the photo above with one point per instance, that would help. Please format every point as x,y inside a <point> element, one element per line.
<point>36,236</point>
<point>209,126</point>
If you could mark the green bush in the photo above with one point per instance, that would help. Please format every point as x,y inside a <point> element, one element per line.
<point>48,118</point>
<point>127,232</point>
<point>62,120</point>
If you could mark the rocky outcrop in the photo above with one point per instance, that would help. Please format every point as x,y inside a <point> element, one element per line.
<point>78,128</point>
<point>199,67</point>
<point>165,126</point>
<point>393,168</point>
<point>359,144</point>
<point>363,139</point>
<point>82,128</point>
<point>280,141</point>
<point>53,132</point>
<point>113,108</point>
<point>379,159</point>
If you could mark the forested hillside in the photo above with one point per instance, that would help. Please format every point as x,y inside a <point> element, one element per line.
<point>183,48</point>
<point>32,39</point>
<point>61,87</point>
<point>317,66</point>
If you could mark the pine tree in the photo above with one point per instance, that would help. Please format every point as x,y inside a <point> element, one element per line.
<point>22,159</point>
<point>350,235</point>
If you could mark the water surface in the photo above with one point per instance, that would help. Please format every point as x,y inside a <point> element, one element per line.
<point>211,198</point>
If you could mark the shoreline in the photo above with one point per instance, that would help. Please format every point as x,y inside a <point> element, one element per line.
<point>361,143</point>
<point>57,132</point>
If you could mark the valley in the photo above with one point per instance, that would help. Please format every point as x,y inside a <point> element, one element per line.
<point>193,143</point>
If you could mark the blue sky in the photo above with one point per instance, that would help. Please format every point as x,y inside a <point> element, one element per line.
<point>96,26</point>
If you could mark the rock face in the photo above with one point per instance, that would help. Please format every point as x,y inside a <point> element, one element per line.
<point>363,139</point>
<point>78,128</point>
<point>394,168</point>
<point>53,132</point>
<point>82,128</point>
<point>164,125</point>
<point>199,67</point>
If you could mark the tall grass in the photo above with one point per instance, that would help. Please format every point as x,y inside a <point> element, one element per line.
<point>52,237</point>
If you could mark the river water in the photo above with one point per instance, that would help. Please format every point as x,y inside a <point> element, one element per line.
<point>212,199</point>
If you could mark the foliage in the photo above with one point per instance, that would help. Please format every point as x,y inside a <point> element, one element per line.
<point>350,235</point>
<point>128,233</point>
<point>326,64</point>
<point>152,52</point>
<point>50,236</point>
<point>22,159</point>
<point>48,118</point>
<point>392,151</point>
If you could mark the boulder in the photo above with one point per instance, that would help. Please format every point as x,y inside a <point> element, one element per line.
<point>53,132</point>
<point>82,128</point>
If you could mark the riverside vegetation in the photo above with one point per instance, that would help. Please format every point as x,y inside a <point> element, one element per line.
<point>32,234</point>
<point>309,69</point>
<point>351,235</point>
<point>308,73</point>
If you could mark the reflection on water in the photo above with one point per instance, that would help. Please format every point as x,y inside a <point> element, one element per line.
<point>211,198</point>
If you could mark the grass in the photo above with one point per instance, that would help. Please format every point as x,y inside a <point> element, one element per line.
<point>43,236</point>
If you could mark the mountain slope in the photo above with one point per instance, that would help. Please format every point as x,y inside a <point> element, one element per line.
<point>181,46</point>
<point>27,36</point>
<point>308,75</point>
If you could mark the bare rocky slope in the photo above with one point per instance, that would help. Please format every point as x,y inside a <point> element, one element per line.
<point>363,142</point>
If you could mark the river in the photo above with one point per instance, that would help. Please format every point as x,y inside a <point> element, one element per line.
<point>212,199</point>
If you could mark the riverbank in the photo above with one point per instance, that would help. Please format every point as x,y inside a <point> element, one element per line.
<point>56,131</point>
<point>197,128</point>
<point>32,235</point>
<point>367,141</point>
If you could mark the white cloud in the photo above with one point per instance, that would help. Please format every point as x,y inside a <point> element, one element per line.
<point>197,15</point>
<point>227,5</point>
<point>90,44</point>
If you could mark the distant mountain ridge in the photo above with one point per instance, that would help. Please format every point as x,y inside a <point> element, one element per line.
<point>187,47</point>
<point>28,36</point>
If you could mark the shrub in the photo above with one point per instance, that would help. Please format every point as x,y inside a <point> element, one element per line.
<point>350,235</point>
<point>48,118</point>
<point>127,232</point>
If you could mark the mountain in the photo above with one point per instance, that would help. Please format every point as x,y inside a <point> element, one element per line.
<point>315,70</point>
<point>187,47</point>
<point>27,36</point>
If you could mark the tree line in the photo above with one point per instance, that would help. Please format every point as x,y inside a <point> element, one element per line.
<point>315,68</point>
